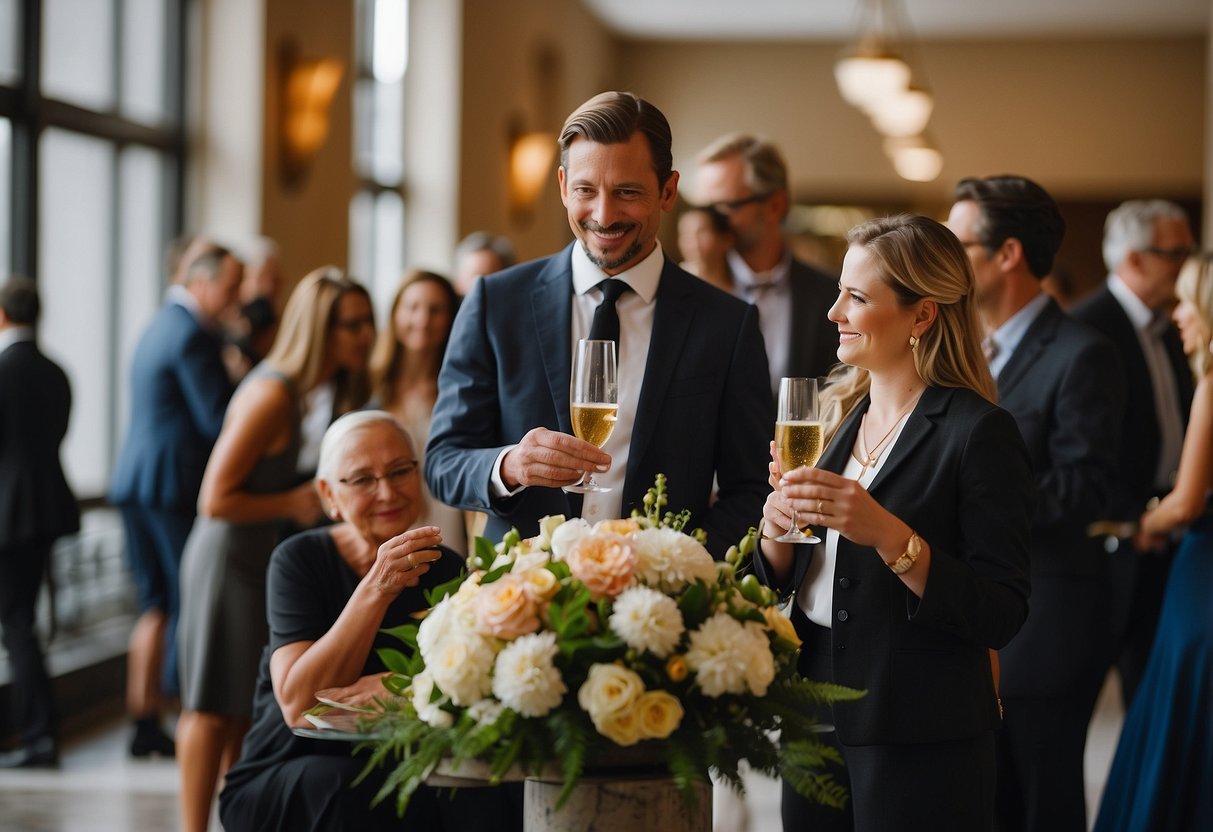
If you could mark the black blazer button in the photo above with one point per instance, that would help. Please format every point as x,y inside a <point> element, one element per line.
<point>843,615</point>
<point>845,583</point>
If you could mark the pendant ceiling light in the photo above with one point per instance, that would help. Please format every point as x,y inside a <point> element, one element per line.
<point>874,77</point>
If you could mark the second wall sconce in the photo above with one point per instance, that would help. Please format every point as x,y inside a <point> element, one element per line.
<point>307,90</point>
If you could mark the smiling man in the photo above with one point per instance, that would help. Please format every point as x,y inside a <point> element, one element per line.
<point>694,402</point>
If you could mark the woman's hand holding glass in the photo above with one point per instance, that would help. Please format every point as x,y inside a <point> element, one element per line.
<point>798,441</point>
<point>402,560</point>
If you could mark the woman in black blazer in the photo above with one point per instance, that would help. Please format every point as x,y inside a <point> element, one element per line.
<point>923,500</point>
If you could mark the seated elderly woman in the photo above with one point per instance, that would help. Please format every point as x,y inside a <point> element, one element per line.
<point>329,593</point>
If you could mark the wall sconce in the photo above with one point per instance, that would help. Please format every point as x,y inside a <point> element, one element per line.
<point>875,78</point>
<point>307,90</point>
<point>531,157</point>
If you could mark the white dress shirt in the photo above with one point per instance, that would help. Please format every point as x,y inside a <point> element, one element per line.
<point>635,310</point>
<point>1006,338</point>
<point>771,292</point>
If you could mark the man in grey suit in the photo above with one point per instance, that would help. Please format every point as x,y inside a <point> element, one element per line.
<point>179,393</point>
<point>1060,380</point>
<point>745,179</point>
<point>36,508</point>
<point>693,399</point>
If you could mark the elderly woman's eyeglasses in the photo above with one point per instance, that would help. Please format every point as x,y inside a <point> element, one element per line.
<point>367,483</point>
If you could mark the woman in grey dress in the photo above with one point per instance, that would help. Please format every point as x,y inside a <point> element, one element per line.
<point>248,490</point>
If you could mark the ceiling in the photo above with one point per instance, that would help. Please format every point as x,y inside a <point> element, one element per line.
<point>839,20</point>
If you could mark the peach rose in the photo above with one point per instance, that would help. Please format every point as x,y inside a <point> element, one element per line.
<point>605,563</point>
<point>623,526</point>
<point>505,608</point>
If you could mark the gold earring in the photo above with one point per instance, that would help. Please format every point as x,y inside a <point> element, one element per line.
<point>913,342</point>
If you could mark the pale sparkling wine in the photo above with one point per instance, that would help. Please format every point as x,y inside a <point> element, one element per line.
<point>594,422</point>
<point>797,444</point>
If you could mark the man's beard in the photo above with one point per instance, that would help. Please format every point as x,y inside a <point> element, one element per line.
<point>614,263</point>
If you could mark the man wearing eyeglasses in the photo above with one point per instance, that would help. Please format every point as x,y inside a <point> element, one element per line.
<point>745,179</point>
<point>1145,244</point>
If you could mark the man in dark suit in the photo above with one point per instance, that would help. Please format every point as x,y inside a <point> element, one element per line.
<point>693,397</point>
<point>179,392</point>
<point>36,507</point>
<point>745,179</point>
<point>1060,380</point>
<point>1145,244</point>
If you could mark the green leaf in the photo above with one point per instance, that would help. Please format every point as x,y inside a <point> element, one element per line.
<point>695,605</point>
<point>437,593</point>
<point>405,632</point>
<point>395,661</point>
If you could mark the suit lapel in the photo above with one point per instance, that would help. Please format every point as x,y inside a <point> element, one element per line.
<point>1034,343</point>
<point>918,427</point>
<point>671,324</point>
<point>553,328</point>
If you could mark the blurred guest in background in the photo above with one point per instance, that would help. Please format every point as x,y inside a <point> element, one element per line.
<point>478,254</point>
<point>1164,761</point>
<point>179,393</point>
<point>250,483</point>
<point>746,179</point>
<point>1060,380</point>
<point>251,328</point>
<point>36,508</point>
<point>404,371</point>
<point>1145,244</point>
<point>704,240</point>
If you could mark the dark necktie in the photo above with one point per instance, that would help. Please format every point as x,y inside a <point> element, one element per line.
<point>605,326</point>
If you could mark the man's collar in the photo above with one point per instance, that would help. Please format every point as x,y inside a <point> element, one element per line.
<point>15,334</point>
<point>744,278</point>
<point>1139,314</point>
<point>642,277</point>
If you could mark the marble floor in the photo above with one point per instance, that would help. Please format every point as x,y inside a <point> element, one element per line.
<point>101,789</point>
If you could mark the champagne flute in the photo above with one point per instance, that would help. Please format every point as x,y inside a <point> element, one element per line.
<point>798,434</point>
<point>593,399</point>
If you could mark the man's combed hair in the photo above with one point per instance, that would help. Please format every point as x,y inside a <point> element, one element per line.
<point>19,300</point>
<point>1014,206</point>
<point>613,118</point>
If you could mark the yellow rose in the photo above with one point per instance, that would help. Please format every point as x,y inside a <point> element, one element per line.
<point>676,668</point>
<point>505,609</point>
<point>621,728</point>
<point>540,583</point>
<point>609,689</point>
<point>623,526</point>
<point>660,714</point>
<point>605,563</point>
<point>781,625</point>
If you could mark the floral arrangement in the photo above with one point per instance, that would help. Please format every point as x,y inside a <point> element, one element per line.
<point>562,647</point>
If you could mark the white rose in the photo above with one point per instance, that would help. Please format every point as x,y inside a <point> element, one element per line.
<point>461,665</point>
<point>609,689</point>
<point>525,677</point>
<point>566,534</point>
<point>647,620</point>
<point>429,712</point>
<point>547,525</point>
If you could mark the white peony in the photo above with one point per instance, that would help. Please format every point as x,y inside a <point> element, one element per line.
<point>729,657</point>
<point>525,677</point>
<point>672,560</point>
<point>486,711</point>
<point>647,620</point>
<point>566,534</point>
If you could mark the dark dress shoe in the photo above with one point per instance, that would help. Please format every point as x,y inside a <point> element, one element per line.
<point>41,753</point>
<point>148,742</point>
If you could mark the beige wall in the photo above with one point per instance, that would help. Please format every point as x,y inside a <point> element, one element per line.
<point>526,63</point>
<point>1085,118</point>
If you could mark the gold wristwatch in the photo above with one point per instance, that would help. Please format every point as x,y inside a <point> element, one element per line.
<point>909,557</point>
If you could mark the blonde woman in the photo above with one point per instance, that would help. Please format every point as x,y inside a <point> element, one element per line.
<point>923,499</point>
<point>248,490</point>
<point>1164,760</point>
<point>404,369</point>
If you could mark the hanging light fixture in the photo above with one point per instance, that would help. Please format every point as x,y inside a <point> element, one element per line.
<point>914,158</point>
<point>874,77</point>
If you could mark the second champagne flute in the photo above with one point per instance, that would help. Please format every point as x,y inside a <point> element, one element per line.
<point>593,399</point>
<point>798,434</point>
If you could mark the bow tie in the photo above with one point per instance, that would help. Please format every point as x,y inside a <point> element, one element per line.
<point>754,290</point>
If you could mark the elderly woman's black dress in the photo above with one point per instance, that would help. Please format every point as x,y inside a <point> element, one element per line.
<point>286,782</point>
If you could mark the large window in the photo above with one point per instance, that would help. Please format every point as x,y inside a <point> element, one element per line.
<point>91,154</point>
<point>377,210</point>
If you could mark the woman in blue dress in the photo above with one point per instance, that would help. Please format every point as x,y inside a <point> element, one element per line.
<point>1162,775</point>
